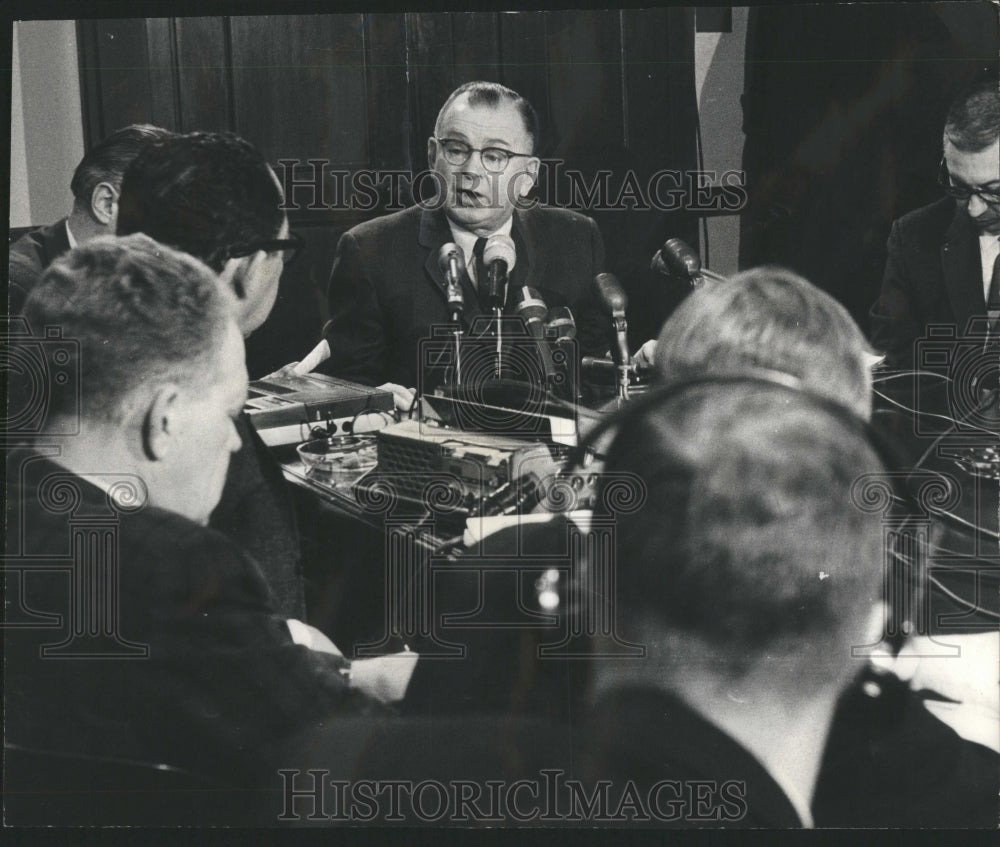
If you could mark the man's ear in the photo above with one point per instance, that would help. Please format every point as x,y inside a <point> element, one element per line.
<point>159,425</point>
<point>527,177</point>
<point>431,152</point>
<point>236,273</point>
<point>104,204</point>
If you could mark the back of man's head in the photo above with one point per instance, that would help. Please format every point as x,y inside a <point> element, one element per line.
<point>207,194</point>
<point>107,161</point>
<point>749,551</point>
<point>137,313</point>
<point>772,318</point>
<point>973,121</point>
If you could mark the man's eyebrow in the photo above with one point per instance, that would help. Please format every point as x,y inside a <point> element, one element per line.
<point>993,183</point>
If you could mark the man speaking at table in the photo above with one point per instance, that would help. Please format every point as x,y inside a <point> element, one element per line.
<point>387,289</point>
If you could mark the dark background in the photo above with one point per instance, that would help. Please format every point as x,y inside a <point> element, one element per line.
<point>843,108</point>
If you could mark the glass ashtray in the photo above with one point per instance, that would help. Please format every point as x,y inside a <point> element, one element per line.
<point>340,458</point>
<point>981,461</point>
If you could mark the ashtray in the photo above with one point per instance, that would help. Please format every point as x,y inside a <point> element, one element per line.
<point>981,461</point>
<point>343,457</point>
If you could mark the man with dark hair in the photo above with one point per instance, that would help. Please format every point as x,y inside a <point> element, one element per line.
<point>943,265</point>
<point>748,573</point>
<point>163,645</point>
<point>386,287</point>
<point>95,185</point>
<point>215,197</point>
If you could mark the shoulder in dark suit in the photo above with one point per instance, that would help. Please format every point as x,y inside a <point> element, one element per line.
<point>30,255</point>
<point>220,676</point>
<point>889,762</point>
<point>932,275</point>
<point>256,513</point>
<point>646,736</point>
<point>386,289</point>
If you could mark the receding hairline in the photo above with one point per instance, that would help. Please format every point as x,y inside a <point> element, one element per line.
<point>506,96</point>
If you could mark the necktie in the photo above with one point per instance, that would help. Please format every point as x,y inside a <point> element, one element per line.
<point>477,253</point>
<point>993,298</point>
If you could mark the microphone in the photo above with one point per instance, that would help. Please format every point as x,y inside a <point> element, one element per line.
<point>676,258</point>
<point>561,324</point>
<point>452,264</point>
<point>499,257</point>
<point>532,308</point>
<point>612,295</point>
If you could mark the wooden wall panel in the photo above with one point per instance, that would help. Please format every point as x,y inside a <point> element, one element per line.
<point>432,70</point>
<point>390,124</point>
<point>585,71</point>
<point>523,57</point>
<point>203,58</point>
<point>116,67</point>
<point>164,91</point>
<point>475,47</point>
<point>299,86</point>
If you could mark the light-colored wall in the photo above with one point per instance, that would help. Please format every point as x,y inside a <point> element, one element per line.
<point>20,201</point>
<point>46,121</point>
<point>719,64</point>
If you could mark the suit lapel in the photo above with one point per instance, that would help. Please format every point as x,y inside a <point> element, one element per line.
<point>962,270</point>
<point>524,246</point>
<point>56,241</point>
<point>434,232</point>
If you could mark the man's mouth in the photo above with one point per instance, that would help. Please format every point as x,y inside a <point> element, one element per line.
<point>468,197</point>
<point>988,224</point>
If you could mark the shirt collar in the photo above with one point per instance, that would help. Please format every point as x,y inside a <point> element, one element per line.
<point>466,240</point>
<point>69,235</point>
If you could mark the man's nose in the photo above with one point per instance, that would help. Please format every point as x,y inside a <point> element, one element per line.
<point>976,206</point>
<point>474,165</point>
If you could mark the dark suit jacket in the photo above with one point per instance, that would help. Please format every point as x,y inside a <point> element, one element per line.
<point>933,275</point>
<point>645,735</point>
<point>30,255</point>
<point>386,289</point>
<point>889,762</point>
<point>256,513</point>
<point>220,678</point>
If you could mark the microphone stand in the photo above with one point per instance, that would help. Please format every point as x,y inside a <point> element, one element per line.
<point>497,318</point>
<point>623,369</point>
<point>457,318</point>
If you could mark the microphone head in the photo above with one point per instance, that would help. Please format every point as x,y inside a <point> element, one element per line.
<point>448,252</point>
<point>676,258</point>
<point>530,304</point>
<point>561,322</point>
<point>610,290</point>
<point>500,247</point>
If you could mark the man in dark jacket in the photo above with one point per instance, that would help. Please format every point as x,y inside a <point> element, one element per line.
<point>216,198</point>
<point>155,639</point>
<point>96,185</point>
<point>944,259</point>
<point>387,289</point>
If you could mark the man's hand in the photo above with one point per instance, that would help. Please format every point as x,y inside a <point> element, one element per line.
<point>309,636</point>
<point>402,396</point>
<point>287,370</point>
<point>643,357</point>
<point>319,354</point>
<point>384,678</point>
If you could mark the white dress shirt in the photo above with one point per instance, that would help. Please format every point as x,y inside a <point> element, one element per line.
<point>989,249</point>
